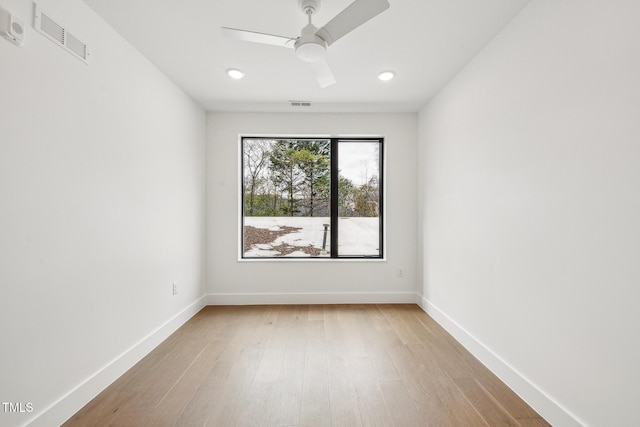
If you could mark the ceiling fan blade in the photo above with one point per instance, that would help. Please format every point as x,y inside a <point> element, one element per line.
<point>252,36</point>
<point>356,14</point>
<point>323,73</point>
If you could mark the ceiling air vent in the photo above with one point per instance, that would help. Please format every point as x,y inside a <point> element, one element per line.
<point>60,35</point>
<point>300,103</point>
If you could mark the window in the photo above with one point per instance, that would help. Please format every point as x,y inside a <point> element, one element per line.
<point>311,197</point>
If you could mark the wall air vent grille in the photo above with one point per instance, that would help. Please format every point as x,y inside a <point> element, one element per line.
<point>300,103</point>
<point>55,32</point>
<point>52,29</point>
<point>76,46</point>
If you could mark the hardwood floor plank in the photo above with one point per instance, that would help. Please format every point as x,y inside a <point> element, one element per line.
<point>371,403</point>
<point>271,365</point>
<point>440,401</point>
<point>173,403</point>
<point>342,394</point>
<point>487,406</point>
<point>315,312</point>
<point>452,356</point>
<point>209,398</point>
<point>316,404</point>
<point>232,402</point>
<point>398,325</point>
<point>287,402</point>
<point>101,410</point>
<point>534,422</point>
<point>352,337</point>
<point>258,405</point>
<point>466,365</point>
<point>423,368</point>
<point>517,407</point>
<point>400,405</point>
<point>296,365</point>
<point>376,344</point>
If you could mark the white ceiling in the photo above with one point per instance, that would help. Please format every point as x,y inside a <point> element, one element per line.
<point>425,42</point>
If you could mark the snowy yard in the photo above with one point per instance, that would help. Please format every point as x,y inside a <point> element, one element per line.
<point>303,236</point>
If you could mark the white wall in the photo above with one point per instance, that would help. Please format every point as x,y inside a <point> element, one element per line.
<point>231,281</point>
<point>101,208</point>
<point>532,206</point>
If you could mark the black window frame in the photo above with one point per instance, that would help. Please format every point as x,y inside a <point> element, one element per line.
<point>334,206</point>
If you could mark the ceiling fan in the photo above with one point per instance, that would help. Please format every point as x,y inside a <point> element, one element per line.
<point>312,44</point>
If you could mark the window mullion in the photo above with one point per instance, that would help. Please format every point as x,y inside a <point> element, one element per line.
<point>334,198</point>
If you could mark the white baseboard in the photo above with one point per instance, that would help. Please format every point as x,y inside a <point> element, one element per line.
<point>69,404</point>
<point>314,298</point>
<point>549,409</point>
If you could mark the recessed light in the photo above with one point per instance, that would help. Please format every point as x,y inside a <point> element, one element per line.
<point>234,73</point>
<point>385,76</point>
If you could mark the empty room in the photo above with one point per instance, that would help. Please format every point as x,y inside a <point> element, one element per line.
<point>319,213</point>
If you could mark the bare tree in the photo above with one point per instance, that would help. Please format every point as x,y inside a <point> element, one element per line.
<point>256,156</point>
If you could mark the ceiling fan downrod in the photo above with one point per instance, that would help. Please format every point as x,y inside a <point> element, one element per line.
<point>309,46</point>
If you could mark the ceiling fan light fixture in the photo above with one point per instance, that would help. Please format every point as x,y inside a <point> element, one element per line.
<point>234,73</point>
<point>311,52</point>
<point>385,76</point>
<point>309,47</point>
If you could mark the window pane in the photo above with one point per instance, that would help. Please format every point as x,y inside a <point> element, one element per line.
<point>286,193</point>
<point>359,198</point>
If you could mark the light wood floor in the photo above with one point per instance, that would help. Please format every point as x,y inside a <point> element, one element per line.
<point>318,365</point>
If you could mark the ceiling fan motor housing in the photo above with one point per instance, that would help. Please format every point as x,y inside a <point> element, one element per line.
<point>309,47</point>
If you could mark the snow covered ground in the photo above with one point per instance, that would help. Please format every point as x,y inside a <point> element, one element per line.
<point>357,236</point>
